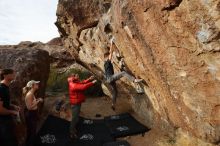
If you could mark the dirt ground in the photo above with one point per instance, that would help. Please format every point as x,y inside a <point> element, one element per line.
<point>102,106</point>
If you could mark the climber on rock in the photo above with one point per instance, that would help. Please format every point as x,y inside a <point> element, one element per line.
<point>111,77</point>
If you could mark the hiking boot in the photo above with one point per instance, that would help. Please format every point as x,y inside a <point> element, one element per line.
<point>138,80</point>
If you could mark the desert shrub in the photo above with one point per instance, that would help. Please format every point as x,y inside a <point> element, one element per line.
<point>57,82</point>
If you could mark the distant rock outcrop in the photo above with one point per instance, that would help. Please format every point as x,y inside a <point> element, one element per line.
<point>174,45</point>
<point>59,56</point>
<point>32,61</point>
<point>29,62</point>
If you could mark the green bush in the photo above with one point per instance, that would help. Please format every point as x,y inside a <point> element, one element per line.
<point>57,82</point>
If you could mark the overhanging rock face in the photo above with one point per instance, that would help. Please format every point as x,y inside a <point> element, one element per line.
<point>173,45</point>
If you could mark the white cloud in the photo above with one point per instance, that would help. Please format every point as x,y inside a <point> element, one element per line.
<point>27,20</point>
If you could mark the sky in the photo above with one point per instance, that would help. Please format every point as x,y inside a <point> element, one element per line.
<point>27,20</point>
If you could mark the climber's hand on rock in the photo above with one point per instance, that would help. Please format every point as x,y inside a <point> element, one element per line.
<point>94,81</point>
<point>91,78</point>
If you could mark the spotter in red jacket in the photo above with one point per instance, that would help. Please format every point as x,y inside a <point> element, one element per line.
<point>76,89</point>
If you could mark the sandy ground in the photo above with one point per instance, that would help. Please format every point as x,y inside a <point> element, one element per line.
<point>102,106</point>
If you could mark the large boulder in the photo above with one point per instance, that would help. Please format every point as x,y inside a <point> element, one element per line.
<point>29,62</point>
<point>59,56</point>
<point>173,45</point>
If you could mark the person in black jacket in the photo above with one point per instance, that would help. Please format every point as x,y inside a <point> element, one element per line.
<point>7,110</point>
<point>111,77</point>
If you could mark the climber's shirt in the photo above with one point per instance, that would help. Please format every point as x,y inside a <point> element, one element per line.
<point>109,70</point>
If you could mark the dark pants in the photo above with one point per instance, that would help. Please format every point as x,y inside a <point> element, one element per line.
<point>111,80</point>
<point>119,75</point>
<point>114,92</point>
<point>31,118</point>
<point>75,117</point>
<point>7,135</point>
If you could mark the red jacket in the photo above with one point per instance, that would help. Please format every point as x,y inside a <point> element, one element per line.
<point>76,89</point>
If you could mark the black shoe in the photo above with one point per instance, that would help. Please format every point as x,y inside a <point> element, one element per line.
<point>98,115</point>
<point>113,107</point>
<point>73,136</point>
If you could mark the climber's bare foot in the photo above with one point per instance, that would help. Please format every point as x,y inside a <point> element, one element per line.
<point>139,89</point>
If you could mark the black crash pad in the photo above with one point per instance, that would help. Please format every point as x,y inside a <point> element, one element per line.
<point>55,132</point>
<point>124,125</point>
<point>92,133</point>
<point>117,143</point>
